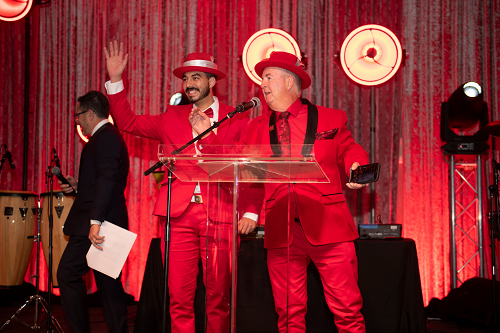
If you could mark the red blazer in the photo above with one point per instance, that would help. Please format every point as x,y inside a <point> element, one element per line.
<point>323,212</point>
<point>173,127</point>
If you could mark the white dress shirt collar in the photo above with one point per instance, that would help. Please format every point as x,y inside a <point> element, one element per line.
<point>99,125</point>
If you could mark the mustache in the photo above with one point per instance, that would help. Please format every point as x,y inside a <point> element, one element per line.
<point>192,88</point>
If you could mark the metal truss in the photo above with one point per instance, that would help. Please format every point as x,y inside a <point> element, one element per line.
<point>466,199</point>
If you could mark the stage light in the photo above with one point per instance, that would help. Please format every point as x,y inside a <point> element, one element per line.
<point>13,10</point>
<point>179,98</point>
<point>464,111</point>
<point>371,55</point>
<point>472,89</point>
<point>260,45</point>
<point>83,137</point>
<point>466,105</point>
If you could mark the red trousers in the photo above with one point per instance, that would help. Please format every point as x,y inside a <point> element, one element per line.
<point>191,237</point>
<point>338,267</point>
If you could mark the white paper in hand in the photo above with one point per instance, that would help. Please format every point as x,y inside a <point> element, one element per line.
<point>116,247</point>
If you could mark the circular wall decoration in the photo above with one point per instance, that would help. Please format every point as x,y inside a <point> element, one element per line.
<point>371,55</point>
<point>260,45</point>
<point>13,10</point>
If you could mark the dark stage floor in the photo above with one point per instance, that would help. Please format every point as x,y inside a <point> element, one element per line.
<point>438,326</point>
<point>12,299</point>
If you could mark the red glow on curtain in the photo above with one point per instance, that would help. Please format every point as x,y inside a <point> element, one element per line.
<point>449,43</point>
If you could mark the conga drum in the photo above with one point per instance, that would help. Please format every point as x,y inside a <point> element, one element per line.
<point>61,205</point>
<point>17,223</point>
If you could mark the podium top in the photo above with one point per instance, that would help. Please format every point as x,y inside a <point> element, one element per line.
<point>243,163</point>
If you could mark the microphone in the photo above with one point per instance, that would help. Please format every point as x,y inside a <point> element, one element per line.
<point>9,157</point>
<point>56,159</point>
<point>56,171</point>
<point>253,103</point>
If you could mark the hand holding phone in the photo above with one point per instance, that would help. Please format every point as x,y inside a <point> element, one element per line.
<point>365,174</point>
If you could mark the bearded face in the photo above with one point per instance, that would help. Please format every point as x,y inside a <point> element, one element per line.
<point>196,86</point>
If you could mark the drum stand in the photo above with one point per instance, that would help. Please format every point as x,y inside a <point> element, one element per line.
<point>36,298</point>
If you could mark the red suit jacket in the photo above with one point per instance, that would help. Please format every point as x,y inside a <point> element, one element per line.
<point>173,127</point>
<point>323,212</point>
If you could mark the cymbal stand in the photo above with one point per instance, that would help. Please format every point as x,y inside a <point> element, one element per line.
<point>494,219</point>
<point>37,298</point>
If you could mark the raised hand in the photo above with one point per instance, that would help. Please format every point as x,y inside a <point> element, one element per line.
<point>199,121</point>
<point>115,62</point>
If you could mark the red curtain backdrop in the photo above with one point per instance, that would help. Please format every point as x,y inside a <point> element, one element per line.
<point>449,42</point>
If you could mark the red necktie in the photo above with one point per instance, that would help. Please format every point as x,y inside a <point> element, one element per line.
<point>209,112</point>
<point>284,133</point>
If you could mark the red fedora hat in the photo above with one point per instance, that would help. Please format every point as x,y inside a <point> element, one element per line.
<point>287,61</point>
<point>199,62</point>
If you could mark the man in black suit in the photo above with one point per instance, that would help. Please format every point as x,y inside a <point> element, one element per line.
<point>104,166</point>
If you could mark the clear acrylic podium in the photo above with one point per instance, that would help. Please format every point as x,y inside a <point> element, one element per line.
<point>224,175</point>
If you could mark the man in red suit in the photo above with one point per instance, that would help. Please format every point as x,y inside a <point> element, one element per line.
<point>192,234</point>
<point>321,227</point>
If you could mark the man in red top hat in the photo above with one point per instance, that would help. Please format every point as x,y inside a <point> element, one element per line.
<point>191,235</point>
<point>320,224</point>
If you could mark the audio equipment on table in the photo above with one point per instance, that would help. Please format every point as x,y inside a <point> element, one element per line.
<point>379,231</point>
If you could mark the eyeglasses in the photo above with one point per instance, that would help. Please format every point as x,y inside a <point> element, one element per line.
<point>79,113</point>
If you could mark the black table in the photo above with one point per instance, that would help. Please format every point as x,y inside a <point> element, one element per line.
<point>388,279</point>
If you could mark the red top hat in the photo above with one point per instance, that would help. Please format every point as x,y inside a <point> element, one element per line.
<point>199,62</point>
<point>287,61</point>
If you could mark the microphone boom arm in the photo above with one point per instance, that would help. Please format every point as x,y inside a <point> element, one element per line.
<point>239,109</point>
<point>208,130</point>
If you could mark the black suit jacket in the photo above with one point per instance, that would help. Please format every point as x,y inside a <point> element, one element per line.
<point>102,179</point>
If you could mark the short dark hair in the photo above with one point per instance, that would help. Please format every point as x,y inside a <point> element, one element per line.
<point>210,75</point>
<point>95,101</point>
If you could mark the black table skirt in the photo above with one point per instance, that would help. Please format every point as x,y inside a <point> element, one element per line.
<point>388,279</point>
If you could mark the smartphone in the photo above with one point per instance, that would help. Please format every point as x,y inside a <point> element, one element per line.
<point>365,174</point>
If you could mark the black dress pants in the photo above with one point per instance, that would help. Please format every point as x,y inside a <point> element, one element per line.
<point>72,268</point>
